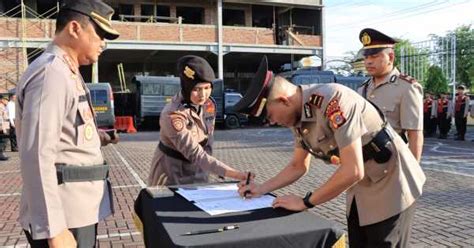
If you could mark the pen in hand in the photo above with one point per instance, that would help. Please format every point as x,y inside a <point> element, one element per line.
<point>232,227</point>
<point>247,183</point>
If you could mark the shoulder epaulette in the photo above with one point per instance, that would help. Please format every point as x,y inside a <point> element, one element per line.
<point>407,78</point>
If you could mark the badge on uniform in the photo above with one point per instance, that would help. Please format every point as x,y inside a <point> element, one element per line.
<point>177,123</point>
<point>189,72</point>
<point>334,114</point>
<point>308,112</point>
<point>88,131</point>
<point>316,100</point>
<point>210,107</point>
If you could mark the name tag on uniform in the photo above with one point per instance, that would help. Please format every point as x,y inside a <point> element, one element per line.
<point>82,98</point>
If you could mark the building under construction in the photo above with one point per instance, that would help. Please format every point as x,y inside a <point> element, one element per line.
<point>231,34</point>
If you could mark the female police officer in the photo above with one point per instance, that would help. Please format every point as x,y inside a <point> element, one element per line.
<point>183,154</point>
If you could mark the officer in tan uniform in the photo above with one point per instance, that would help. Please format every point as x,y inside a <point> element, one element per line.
<point>400,97</point>
<point>65,180</point>
<point>184,153</point>
<point>4,127</point>
<point>381,176</point>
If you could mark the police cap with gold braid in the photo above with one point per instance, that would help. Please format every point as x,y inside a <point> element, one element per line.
<point>374,41</point>
<point>255,97</point>
<point>99,12</point>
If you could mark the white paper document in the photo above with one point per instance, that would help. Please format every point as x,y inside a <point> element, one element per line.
<point>223,198</point>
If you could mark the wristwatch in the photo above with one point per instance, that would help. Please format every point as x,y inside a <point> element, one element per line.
<point>306,201</point>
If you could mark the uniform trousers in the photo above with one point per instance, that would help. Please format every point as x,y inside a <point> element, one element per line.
<point>444,124</point>
<point>13,144</point>
<point>460,122</point>
<point>392,232</point>
<point>85,237</point>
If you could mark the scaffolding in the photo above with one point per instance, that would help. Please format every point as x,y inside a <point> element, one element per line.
<point>20,62</point>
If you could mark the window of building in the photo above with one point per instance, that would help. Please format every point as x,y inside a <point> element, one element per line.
<point>262,16</point>
<point>233,17</point>
<point>147,10</point>
<point>191,15</point>
<point>162,11</point>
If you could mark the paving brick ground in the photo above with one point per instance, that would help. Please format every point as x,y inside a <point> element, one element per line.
<point>443,217</point>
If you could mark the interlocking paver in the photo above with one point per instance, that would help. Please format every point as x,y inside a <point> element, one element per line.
<point>443,216</point>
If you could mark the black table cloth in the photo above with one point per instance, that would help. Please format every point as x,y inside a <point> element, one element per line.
<point>165,220</point>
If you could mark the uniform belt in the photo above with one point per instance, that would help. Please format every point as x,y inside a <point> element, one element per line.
<point>74,173</point>
<point>176,154</point>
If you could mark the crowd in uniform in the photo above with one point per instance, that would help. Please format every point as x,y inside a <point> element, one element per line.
<point>440,111</point>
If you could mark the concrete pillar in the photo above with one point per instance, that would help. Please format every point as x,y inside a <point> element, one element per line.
<point>220,54</point>
<point>95,73</point>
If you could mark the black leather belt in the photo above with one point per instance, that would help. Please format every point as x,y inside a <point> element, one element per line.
<point>176,154</point>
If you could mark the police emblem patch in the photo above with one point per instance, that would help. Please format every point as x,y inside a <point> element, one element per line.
<point>337,119</point>
<point>334,114</point>
<point>177,124</point>
<point>189,72</point>
<point>316,100</point>
<point>88,132</point>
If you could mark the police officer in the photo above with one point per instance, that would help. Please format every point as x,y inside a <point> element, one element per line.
<point>65,180</point>
<point>399,96</point>
<point>461,110</point>
<point>11,117</point>
<point>4,128</point>
<point>443,115</point>
<point>184,153</point>
<point>331,122</point>
<point>429,123</point>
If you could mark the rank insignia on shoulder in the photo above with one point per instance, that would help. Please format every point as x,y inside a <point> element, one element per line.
<point>407,78</point>
<point>316,100</point>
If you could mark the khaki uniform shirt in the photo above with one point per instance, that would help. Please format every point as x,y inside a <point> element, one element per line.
<point>333,117</point>
<point>400,98</point>
<point>182,129</point>
<point>56,125</point>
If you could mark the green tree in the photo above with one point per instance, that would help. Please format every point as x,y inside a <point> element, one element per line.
<point>415,60</point>
<point>464,54</point>
<point>435,81</point>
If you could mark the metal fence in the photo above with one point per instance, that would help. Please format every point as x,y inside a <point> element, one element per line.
<point>416,58</point>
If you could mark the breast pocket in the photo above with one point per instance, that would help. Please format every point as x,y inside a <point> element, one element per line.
<point>378,171</point>
<point>390,111</point>
<point>85,127</point>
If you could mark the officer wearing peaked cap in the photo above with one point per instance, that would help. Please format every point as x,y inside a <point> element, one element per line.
<point>381,176</point>
<point>184,152</point>
<point>66,190</point>
<point>399,96</point>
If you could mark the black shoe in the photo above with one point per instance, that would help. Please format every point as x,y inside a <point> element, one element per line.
<point>3,158</point>
<point>459,138</point>
<point>14,149</point>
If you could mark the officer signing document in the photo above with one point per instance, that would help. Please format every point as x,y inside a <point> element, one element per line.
<point>376,168</point>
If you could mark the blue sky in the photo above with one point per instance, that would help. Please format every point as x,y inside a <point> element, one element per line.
<point>413,20</point>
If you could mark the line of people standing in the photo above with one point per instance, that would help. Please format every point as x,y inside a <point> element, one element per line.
<point>438,114</point>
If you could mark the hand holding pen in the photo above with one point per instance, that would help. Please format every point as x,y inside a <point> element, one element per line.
<point>247,188</point>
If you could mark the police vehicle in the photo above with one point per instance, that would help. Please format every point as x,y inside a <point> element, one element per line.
<point>103,103</point>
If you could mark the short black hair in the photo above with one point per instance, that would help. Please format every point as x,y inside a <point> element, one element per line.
<point>65,16</point>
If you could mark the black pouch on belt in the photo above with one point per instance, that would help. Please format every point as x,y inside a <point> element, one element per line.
<point>377,148</point>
